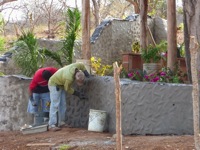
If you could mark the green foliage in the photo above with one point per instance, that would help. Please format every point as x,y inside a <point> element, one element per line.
<point>162,46</point>
<point>135,47</point>
<point>1,74</point>
<point>27,54</point>
<point>72,28</point>
<point>2,23</point>
<point>54,56</point>
<point>181,26</point>
<point>136,74</point>
<point>180,10</point>
<point>100,69</point>
<point>2,43</point>
<point>182,50</point>
<point>151,54</point>
<point>64,147</point>
<point>123,73</point>
<point>64,56</point>
<point>157,8</point>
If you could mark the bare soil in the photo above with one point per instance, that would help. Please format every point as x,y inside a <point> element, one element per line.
<point>82,139</point>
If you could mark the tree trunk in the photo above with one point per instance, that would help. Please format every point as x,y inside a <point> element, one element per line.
<point>192,29</point>
<point>86,53</point>
<point>135,5</point>
<point>194,47</point>
<point>6,1</point>
<point>143,24</point>
<point>96,12</point>
<point>171,35</point>
<point>189,10</point>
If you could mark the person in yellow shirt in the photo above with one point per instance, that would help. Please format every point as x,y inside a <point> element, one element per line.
<point>60,82</point>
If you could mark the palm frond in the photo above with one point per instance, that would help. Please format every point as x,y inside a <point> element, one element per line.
<point>53,55</point>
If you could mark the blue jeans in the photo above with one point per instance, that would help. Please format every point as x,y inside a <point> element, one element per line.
<point>42,100</point>
<point>58,104</point>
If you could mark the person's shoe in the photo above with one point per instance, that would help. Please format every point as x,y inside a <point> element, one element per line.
<point>63,125</point>
<point>53,128</point>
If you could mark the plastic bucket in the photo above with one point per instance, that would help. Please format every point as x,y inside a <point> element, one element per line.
<point>150,68</point>
<point>97,120</point>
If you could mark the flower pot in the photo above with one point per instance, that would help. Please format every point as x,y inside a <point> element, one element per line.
<point>150,68</point>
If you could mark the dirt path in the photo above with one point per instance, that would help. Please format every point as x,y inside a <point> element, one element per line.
<point>81,139</point>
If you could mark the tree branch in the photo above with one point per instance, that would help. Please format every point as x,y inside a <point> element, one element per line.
<point>6,1</point>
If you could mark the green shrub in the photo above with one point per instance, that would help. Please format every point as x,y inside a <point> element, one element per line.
<point>64,147</point>
<point>2,43</point>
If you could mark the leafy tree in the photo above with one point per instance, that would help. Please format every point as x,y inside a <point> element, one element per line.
<point>71,33</point>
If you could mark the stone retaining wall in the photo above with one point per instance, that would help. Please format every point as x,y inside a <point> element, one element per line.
<point>147,108</point>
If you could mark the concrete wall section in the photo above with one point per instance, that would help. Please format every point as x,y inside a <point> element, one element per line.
<point>156,109</point>
<point>13,103</point>
<point>147,108</point>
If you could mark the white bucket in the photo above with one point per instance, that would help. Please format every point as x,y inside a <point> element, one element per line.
<point>97,120</point>
<point>150,68</point>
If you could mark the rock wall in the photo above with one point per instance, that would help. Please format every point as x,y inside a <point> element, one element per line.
<point>147,108</point>
<point>116,37</point>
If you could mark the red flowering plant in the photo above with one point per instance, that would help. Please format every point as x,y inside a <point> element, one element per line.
<point>165,75</point>
<point>136,75</point>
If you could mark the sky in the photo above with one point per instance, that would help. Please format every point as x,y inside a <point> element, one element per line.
<point>17,15</point>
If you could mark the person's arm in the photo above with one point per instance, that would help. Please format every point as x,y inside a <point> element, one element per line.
<point>86,73</point>
<point>32,86</point>
<point>68,88</point>
<point>80,95</point>
<point>83,68</point>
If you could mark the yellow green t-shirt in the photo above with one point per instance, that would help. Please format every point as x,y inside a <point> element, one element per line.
<point>64,77</point>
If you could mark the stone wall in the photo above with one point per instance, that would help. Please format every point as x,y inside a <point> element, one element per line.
<point>147,108</point>
<point>13,102</point>
<point>115,38</point>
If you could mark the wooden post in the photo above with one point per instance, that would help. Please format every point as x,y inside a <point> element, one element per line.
<point>118,106</point>
<point>86,53</point>
<point>143,24</point>
<point>171,35</point>
<point>194,47</point>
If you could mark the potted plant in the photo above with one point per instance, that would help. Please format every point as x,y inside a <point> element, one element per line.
<point>151,57</point>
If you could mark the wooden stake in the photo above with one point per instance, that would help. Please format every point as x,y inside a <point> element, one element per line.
<point>41,144</point>
<point>194,47</point>
<point>118,106</point>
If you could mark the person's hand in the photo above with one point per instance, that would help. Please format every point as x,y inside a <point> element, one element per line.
<point>86,73</point>
<point>30,93</point>
<point>32,100</point>
<point>80,95</point>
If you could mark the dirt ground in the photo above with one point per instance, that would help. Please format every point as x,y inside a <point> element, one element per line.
<point>82,139</point>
